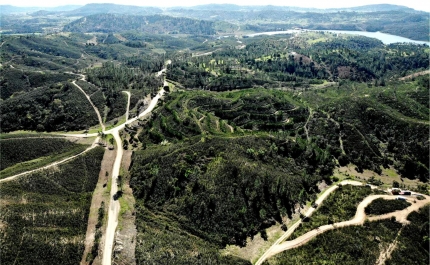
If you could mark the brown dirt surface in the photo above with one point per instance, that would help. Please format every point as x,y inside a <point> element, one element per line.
<point>345,71</point>
<point>125,238</point>
<point>386,253</point>
<point>359,219</point>
<point>304,58</point>
<point>426,72</point>
<point>99,195</point>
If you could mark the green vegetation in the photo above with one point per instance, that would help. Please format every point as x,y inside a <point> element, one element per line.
<point>14,81</point>
<point>19,155</point>
<point>347,245</point>
<point>251,130</point>
<point>397,20</point>
<point>159,234</point>
<point>381,206</point>
<point>293,62</point>
<point>27,134</point>
<point>114,79</point>
<point>368,127</point>
<point>19,150</point>
<point>98,234</point>
<point>152,24</point>
<point>341,205</point>
<point>46,213</point>
<point>42,53</point>
<point>60,107</point>
<point>413,241</point>
<point>200,113</point>
<point>221,190</point>
<point>364,244</point>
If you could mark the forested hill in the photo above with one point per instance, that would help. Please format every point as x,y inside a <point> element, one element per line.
<point>91,9</point>
<point>150,24</point>
<point>406,23</point>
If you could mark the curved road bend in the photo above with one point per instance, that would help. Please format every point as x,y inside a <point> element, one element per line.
<point>358,219</point>
<point>310,211</point>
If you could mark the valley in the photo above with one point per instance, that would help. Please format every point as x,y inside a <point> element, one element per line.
<point>143,135</point>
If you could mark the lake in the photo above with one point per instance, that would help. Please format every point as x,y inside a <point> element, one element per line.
<point>384,37</point>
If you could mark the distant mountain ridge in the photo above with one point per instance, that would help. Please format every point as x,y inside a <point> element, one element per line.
<point>94,8</point>
<point>365,8</point>
<point>9,9</point>
<point>91,9</point>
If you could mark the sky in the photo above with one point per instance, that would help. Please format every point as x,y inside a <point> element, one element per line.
<point>416,4</point>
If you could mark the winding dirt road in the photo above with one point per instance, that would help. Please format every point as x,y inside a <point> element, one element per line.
<point>290,230</point>
<point>359,218</point>
<point>114,206</point>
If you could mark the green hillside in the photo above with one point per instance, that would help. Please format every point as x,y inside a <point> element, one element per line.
<point>151,24</point>
<point>46,213</point>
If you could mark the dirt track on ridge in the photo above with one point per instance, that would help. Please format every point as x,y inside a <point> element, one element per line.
<point>359,218</point>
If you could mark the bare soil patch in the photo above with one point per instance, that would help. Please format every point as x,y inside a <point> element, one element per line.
<point>99,195</point>
<point>125,238</point>
<point>415,75</point>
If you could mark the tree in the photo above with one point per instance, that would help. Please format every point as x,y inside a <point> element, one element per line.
<point>120,182</point>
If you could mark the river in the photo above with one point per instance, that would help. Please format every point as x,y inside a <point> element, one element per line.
<point>384,37</point>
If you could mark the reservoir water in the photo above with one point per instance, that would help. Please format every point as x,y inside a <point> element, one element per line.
<point>384,37</point>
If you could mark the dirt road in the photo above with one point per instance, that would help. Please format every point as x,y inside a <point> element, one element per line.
<point>92,104</point>
<point>288,233</point>
<point>358,219</point>
<point>51,165</point>
<point>426,72</point>
<point>128,105</point>
<point>114,206</point>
